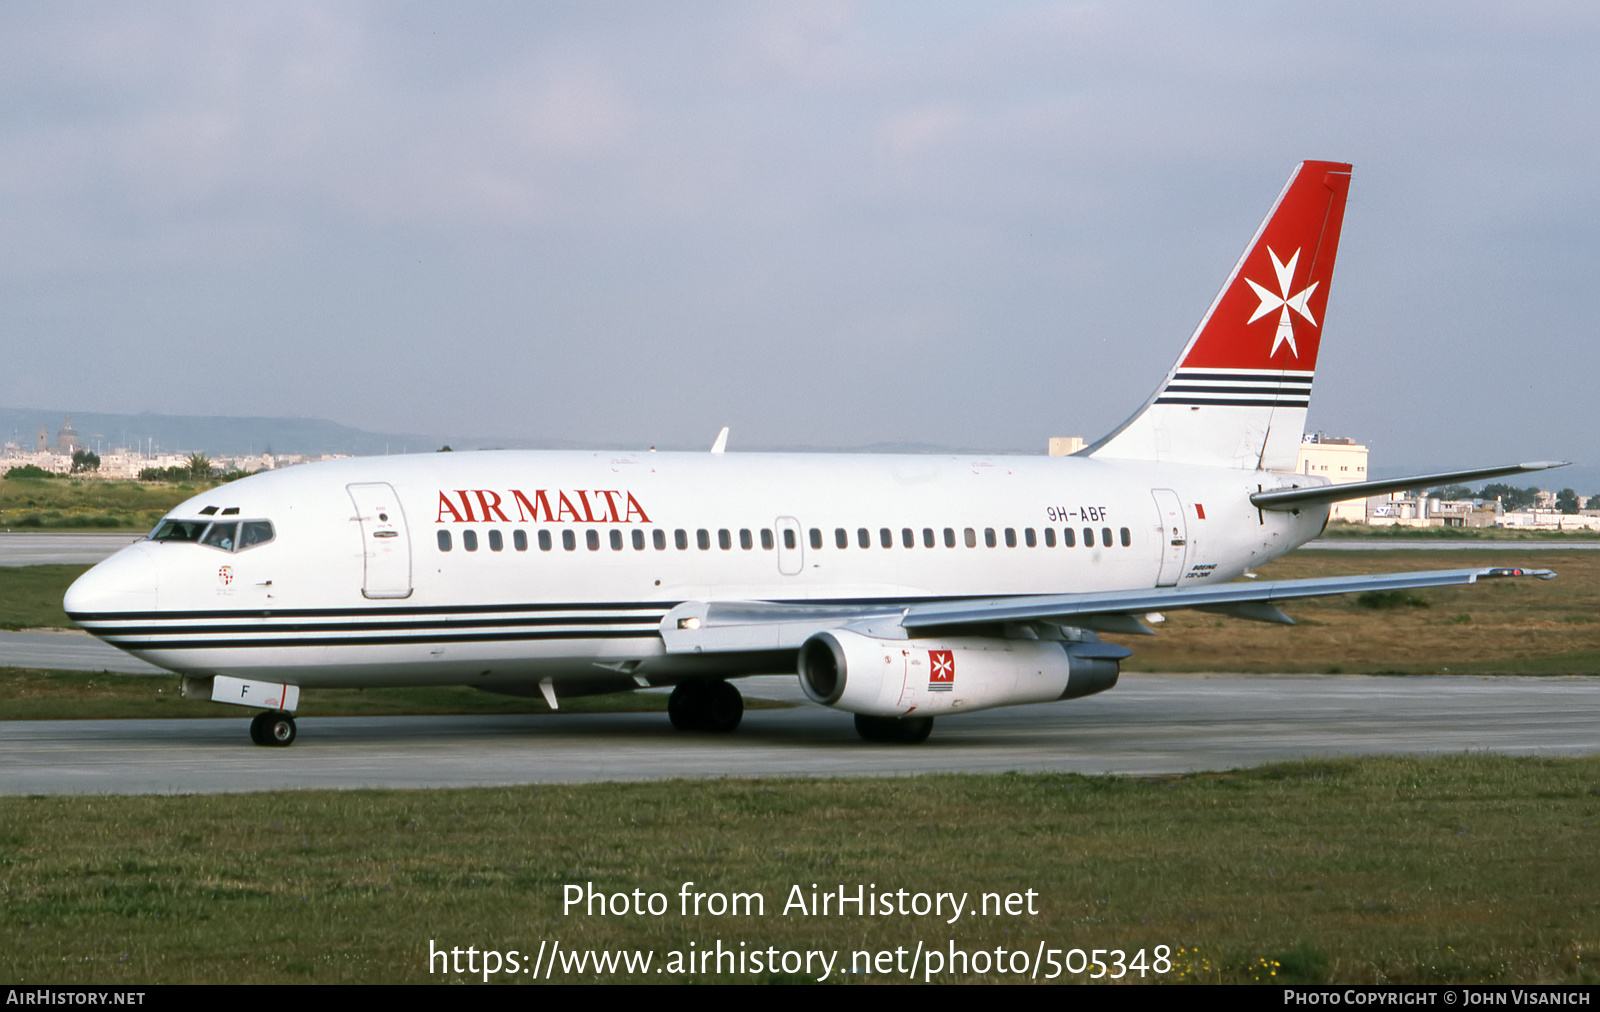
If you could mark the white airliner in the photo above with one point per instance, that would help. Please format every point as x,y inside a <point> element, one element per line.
<point>900,587</point>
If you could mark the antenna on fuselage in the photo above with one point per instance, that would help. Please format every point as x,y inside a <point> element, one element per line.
<point>721,445</point>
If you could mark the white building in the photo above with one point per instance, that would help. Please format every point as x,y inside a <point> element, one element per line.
<point>1341,461</point>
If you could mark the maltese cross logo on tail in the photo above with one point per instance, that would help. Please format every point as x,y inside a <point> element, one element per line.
<point>1283,302</point>
<point>942,670</point>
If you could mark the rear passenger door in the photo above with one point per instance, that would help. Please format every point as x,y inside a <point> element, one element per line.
<point>385,543</point>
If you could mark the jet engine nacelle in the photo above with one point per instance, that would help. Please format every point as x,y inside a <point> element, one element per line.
<point>892,678</point>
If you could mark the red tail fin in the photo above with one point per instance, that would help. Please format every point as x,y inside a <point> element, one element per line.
<point>1237,396</point>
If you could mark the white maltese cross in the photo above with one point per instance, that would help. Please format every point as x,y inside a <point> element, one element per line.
<point>1283,302</point>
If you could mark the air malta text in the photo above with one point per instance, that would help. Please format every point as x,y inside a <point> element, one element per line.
<point>576,506</point>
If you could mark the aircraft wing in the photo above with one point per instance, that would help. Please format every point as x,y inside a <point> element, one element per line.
<point>730,626</point>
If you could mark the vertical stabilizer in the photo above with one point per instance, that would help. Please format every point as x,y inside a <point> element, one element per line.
<point>1238,395</point>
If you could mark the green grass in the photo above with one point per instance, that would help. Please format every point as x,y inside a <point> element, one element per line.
<point>1386,870</point>
<point>32,694</point>
<point>30,596</point>
<point>88,504</point>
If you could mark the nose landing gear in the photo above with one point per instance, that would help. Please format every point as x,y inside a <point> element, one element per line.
<point>273,728</point>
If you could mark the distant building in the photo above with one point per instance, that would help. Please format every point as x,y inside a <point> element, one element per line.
<point>67,438</point>
<point>1341,461</point>
<point>1065,446</point>
<point>42,444</point>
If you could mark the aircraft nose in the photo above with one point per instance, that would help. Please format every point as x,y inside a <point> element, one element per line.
<point>125,582</point>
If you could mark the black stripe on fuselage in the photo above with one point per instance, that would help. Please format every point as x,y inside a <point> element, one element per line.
<point>1240,402</point>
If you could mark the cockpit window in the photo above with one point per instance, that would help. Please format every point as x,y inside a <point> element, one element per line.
<point>179,530</point>
<point>231,536</point>
<point>223,536</point>
<point>254,532</point>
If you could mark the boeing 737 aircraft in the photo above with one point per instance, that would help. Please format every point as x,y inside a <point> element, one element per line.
<point>900,588</point>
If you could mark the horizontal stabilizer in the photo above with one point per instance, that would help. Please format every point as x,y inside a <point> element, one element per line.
<point>1293,498</point>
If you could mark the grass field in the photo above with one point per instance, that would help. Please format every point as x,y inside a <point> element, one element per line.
<point>88,504</point>
<point>1509,627</point>
<point>1392,870</point>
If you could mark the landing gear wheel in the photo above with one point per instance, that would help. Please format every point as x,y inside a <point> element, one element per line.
<point>724,708</point>
<point>894,730</point>
<point>716,707</point>
<point>686,704</point>
<point>273,728</point>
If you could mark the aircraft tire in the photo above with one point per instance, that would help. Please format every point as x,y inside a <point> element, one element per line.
<point>715,707</point>
<point>277,729</point>
<point>258,727</point>
<point>894,730</point>
<point>686,705</point>
<point>724,708</point>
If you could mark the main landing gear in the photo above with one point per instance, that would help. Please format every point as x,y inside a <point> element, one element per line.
<point>274,728</point>
<point>700,705</point>
<point>896,730</point>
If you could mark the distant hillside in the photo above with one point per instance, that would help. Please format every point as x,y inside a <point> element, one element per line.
<point>217,435</point>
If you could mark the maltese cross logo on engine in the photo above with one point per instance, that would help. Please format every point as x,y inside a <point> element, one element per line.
<point>1283,302</point>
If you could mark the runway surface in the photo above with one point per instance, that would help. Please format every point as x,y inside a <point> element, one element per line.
<point>1148,724</point>
<point>59,549</point>
<point>67,650</point>
<point>1385,545</point>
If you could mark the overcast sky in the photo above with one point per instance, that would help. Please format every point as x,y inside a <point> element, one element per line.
<point>836,224</point>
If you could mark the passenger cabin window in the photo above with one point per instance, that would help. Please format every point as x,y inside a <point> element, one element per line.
<point>659,539</point>
<point>496,543</point>
<point>863,537</point>
<point>519,540</point>
<point>1088,537</point>
<point>569,541</point>
<point>841,537</point>
<point>816,537</point>
<point>788,539</point>
<point>746,541</point>
<point>544,541</point>
<point>885,537</point>
<point>1105,536</point>
<point>592,539</point>
<point>680,537</point>
<point>469,540</point>
<point>724,538</point>
<point>1049,537</point>
<point>988,536</point>
<point>1068,537</point>
<point>927,537</point>
<point>702,537</point>
<point>908,537</point>
<point>949,537</point>
<point>1127,537</point>
<point>970,536</point>
<point>616,540</point>
<point>444,541</point>
<point>1011,537</point>
<point>766,538</point>
<point>1030,538</point>
<point>638,540</point>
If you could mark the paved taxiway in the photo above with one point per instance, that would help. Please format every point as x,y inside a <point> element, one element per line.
<point>1146,725</point>
<point>60,549</point>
